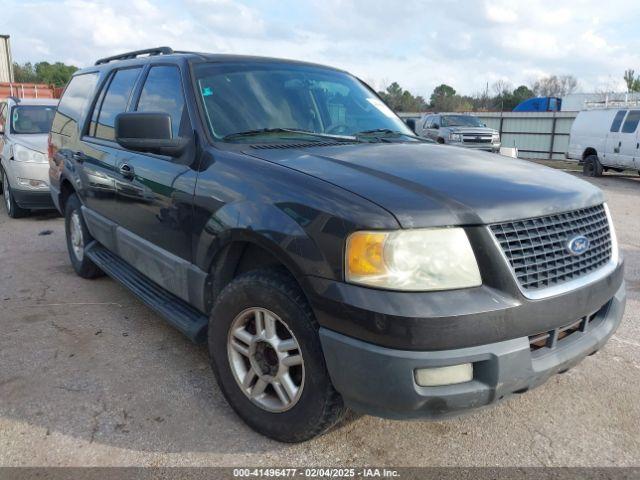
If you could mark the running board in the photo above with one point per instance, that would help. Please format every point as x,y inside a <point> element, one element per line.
<point>176,311</point>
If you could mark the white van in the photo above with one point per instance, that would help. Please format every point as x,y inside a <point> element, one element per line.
<point>606,139</point>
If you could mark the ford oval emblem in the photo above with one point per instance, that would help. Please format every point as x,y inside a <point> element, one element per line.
<point>578,245</point>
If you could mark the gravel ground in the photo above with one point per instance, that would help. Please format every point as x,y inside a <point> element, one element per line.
<point>90,376</point>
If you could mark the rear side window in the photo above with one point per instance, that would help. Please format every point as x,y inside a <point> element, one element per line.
<point>617,121</point>
<point>162,93</point>
<point>78,95</point>
<point>631,123</point>
<point>115,101</point>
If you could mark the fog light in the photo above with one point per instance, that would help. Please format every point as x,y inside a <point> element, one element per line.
<point>30,182</point>
<point>437,376</point>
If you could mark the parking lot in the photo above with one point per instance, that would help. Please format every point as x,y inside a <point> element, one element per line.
<point>90,376</point>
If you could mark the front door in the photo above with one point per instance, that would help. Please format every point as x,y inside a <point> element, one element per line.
<point>155,193</point>
<point>629,140</point>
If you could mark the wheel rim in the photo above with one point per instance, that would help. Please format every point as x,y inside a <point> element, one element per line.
<point>6,192</point>
<point>265,359</point>
<point>77,240</point>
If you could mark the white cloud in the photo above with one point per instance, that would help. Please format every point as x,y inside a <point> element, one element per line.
<point>419,43</point>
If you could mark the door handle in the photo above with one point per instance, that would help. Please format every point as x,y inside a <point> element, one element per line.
<point>126,170</point>
<point>79,157</point>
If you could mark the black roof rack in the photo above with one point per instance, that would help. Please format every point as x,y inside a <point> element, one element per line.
<point>130,55</point>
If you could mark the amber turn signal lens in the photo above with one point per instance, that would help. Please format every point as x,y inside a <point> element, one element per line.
<point>365,254</point>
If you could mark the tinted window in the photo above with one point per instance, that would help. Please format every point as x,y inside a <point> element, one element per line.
<point>77,96</point>
<point>162,93</point>
<point>631,122</point>
<point>115,101</point>
<point>34,119</point>
<point>617,121</point>
<point>245,97</point>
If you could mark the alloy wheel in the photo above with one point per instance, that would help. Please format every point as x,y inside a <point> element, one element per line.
<point>265,359</point>
<point>77,238</point>
<point>6,192</point>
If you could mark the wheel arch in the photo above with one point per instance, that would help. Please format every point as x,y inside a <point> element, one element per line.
<point>588,152</point>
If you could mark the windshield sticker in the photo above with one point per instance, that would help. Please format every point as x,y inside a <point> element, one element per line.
<point>207,91</point>
<point>379,104</point>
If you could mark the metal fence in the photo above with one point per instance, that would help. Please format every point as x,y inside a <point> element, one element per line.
<point>540,135</point>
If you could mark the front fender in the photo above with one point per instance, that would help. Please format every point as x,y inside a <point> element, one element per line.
<point>273,227</point>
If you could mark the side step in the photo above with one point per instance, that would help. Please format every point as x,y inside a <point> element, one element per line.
<point>176,311</point>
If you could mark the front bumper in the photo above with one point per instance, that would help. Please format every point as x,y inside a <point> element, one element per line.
<point>26,196</point>
<point>33,200</point>
<point>380,381</point>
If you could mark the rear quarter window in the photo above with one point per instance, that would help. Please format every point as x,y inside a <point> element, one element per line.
<point>74,103</point>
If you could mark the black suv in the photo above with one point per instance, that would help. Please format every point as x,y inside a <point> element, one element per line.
<point>279,211</point>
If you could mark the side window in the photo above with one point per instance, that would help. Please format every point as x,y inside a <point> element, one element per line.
<point>162,93</point>
<point>435,120</point>
<point>115,101</point>
<point>77,95</point>
<point>631,122</point>
<point>427,122</point>
<point>617,121</point>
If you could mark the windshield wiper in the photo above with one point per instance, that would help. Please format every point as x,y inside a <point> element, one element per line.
<point>262,131</point>
<point>387,132</point>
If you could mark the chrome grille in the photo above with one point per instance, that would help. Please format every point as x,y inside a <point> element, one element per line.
<point>537,250</point>
<point>469,138</point>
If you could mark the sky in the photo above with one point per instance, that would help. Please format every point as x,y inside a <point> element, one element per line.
<point>418,43</point>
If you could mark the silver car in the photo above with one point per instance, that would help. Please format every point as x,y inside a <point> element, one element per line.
<point>460,130</point>
<point>24,164</point>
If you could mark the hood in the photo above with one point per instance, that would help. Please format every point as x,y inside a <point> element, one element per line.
<point>426,185</point>
<point>37,142</point>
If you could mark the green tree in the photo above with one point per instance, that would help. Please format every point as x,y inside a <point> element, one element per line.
<point>24,73</point>
<point>442,95</point>
<point>57,74</point>
<point>633,82</point>
<point>400,100</point>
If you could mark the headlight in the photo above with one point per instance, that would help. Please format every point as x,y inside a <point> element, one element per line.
<point>495,138</point>
<point>455,137</point>
<point>23,154</point>
<point>412,260</point>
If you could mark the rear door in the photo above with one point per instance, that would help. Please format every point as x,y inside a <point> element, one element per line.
<point>613,143</point>
<point>155,193</point>
<point>99,151</point>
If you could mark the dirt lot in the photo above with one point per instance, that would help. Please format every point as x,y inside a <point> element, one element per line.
<point>90,376</point>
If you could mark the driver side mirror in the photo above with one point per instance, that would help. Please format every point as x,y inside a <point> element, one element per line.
<point>435,126</point>
<point>149,133</point>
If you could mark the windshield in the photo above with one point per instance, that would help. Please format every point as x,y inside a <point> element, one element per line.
<point>35,119</point>
<point>461,121</point>
<point>247,97</point>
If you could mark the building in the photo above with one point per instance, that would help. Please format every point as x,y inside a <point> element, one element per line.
<point>6,63</point>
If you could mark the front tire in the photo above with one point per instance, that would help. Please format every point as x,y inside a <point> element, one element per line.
<point>10,205</point>
<point>266,354</point>
<point>78,237</point>
<point>592,167</point>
